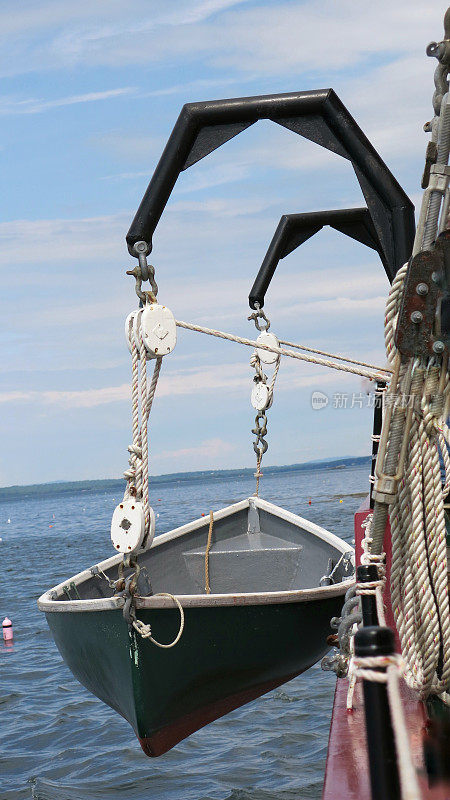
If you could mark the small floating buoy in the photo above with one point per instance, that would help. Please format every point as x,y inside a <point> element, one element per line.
<point>159,499</point>
<point>340,501</point>
<point>50,526</point>
<point>309,501</point>
<point>203,514</point>
<point>7,630</point>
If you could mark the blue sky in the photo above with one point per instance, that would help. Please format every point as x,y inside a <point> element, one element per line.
<point>89,94</point>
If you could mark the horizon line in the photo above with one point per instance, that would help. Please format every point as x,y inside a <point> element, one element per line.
<point>274,467</point>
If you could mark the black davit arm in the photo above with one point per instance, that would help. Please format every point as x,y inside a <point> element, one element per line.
<point>294,229</point>
<point>317,115</point>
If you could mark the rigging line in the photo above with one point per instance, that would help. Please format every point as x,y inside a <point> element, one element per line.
<point>330,355</point>
<point>377,373</point>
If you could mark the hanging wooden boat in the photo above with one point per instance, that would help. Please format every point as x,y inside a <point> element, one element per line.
<point>276,579</point>
<point>266,620</point>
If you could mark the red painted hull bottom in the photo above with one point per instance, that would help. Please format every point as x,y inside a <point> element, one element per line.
<point>347,770</point>
<point>163,740</point>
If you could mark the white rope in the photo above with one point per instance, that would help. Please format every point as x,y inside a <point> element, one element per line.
<point>274,377</point>
<point>133,475</point>
<point>329,355</point>
<point>146,632</point>
<point>141,401</point>
<point>419,581</point>
<point>144,429</point>
<point>367,669</point>
<point>373,588</point>
<point>375,373</point>
<point>391,312</point>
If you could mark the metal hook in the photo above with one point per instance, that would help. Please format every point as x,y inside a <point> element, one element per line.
<point>143,271</point>
<point>259,314</point>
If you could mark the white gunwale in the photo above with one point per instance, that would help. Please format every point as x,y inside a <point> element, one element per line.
<point>45,602</point>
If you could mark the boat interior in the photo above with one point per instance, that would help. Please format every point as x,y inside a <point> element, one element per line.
<point>255,547</point>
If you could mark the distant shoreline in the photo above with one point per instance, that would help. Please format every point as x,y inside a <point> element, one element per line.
<point>109,484</point>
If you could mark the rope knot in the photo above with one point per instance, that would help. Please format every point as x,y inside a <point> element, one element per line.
<point>367,667</point>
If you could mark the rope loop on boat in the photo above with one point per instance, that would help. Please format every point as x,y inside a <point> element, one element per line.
<point>145,630</point>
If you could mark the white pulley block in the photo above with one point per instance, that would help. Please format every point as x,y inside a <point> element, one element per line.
<point>271,341</point>
<point>159,330</point>
<point>128,526</point>
<point>260,398</point>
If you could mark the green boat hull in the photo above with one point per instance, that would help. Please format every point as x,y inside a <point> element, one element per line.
<point>227,656</point>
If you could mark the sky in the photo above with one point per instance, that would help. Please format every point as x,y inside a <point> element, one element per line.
<point>89,94</point>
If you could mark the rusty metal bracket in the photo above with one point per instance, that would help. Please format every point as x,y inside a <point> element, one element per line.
<point>415,333</point>
<point>430,159</point>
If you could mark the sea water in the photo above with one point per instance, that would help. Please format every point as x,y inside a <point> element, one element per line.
<point>59,742</point>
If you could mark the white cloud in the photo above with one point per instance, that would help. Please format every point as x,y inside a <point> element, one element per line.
<point>231,378</point>
<point>340,35</point>
<point>214,176</point>
<point>191,86</point>
<point>184,382</point>
<point>88,398</point>
<point>209,448</point>
<point>52,14</point>
<point>258,38</point>
<point>12,105</point>
<point>69,33</point>
<point>60,240</point>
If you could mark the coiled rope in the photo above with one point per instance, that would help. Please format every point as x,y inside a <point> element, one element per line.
<point>419,580</point>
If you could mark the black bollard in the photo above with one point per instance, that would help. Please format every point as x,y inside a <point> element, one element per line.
<point>366,573</point>
<point>381,750</point>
